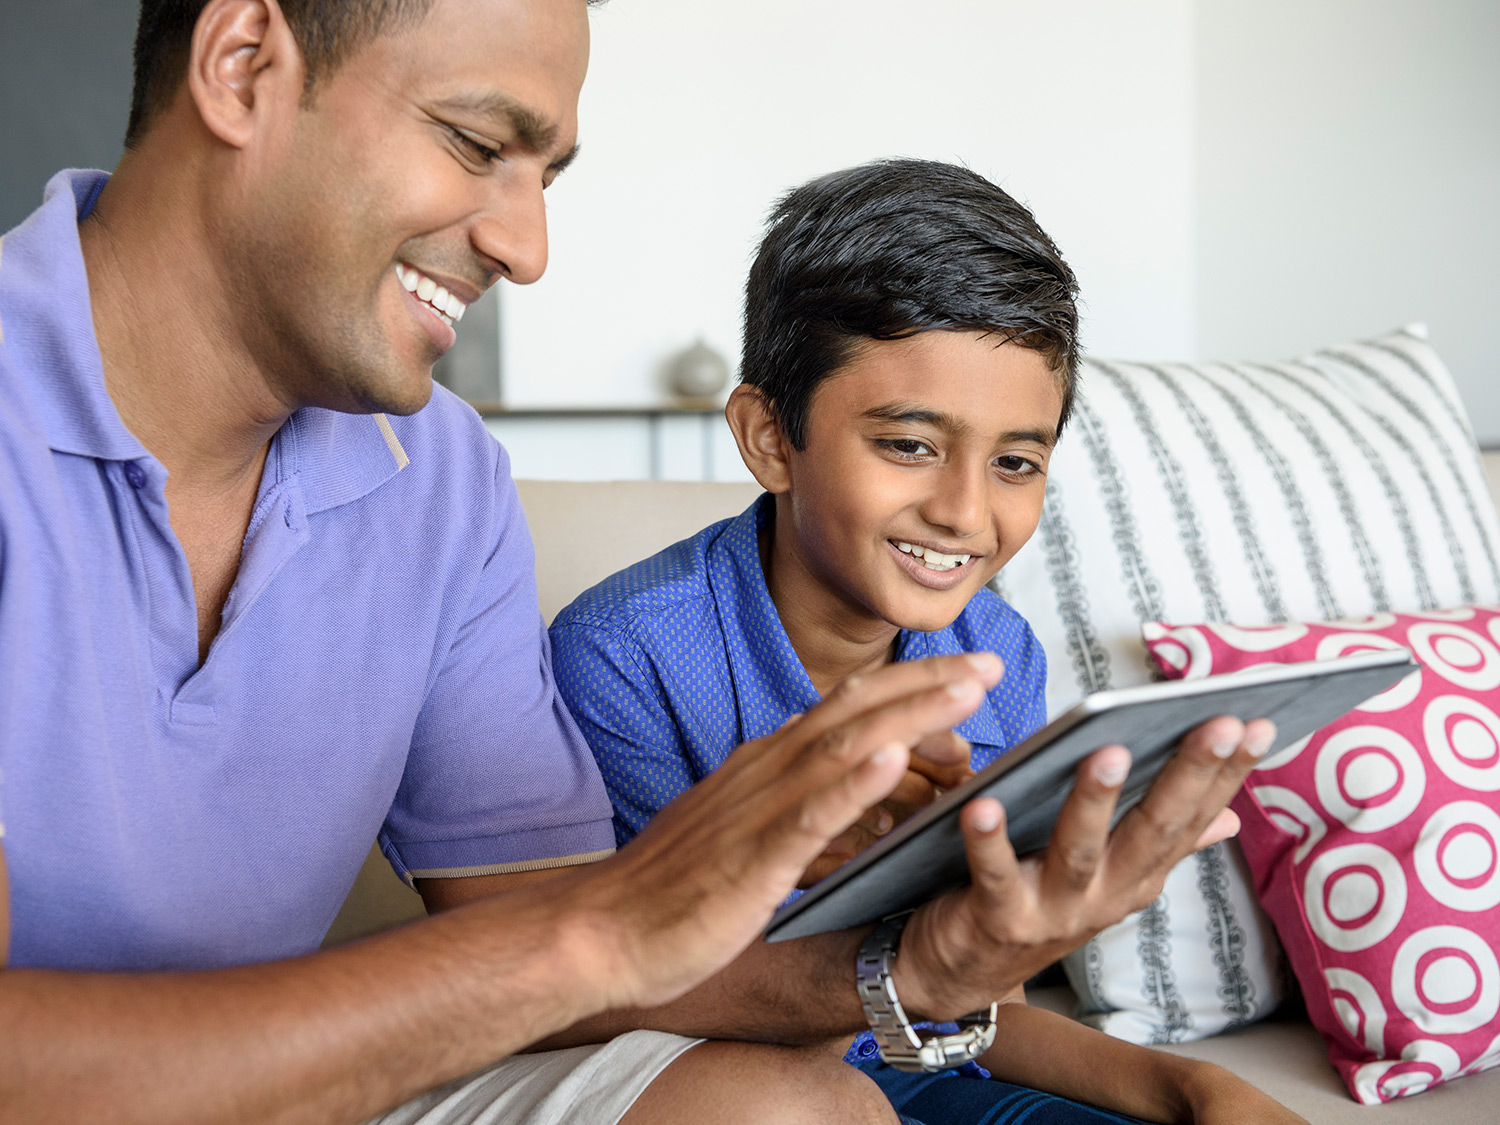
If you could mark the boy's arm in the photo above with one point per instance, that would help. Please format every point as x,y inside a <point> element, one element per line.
<point>1048,1051</point>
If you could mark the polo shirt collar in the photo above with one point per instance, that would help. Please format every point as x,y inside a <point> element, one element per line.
<point>47,329</point>
<point>770,682</point>
<point>48,323</point>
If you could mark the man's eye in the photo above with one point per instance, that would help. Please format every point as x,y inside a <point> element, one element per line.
<point>482,153</point>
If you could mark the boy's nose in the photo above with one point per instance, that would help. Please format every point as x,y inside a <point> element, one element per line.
<point>960,503</point>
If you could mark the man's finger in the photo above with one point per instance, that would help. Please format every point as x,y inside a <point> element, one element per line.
<point>1081,834</point>
<point>863,693</point>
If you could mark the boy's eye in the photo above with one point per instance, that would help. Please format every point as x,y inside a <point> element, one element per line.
<point>906,447</point>
<point>1017,466</point>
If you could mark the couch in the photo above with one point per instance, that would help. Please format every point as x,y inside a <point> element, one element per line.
<point>624,521</point>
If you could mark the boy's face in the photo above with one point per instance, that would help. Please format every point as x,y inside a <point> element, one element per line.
<point>923,473</point>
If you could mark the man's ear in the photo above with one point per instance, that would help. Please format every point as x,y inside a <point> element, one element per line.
<point>763,447</point>
<point>244,58</point>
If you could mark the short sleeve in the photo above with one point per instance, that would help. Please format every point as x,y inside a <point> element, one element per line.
<point>498,778</point>
<point>622,708</point>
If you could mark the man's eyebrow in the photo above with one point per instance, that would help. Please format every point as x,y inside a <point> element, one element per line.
<point>533,131</point>
<point>947,423</point>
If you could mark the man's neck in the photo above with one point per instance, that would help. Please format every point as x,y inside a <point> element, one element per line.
<point>173,362</point>
<point>832,638</point>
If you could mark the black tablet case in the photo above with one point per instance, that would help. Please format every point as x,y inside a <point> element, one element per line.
<point>925,856</point>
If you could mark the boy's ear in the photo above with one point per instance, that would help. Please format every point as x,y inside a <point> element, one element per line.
<point>763,447</point>
<point>243,53</point>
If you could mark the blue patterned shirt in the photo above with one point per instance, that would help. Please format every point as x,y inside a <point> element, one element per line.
<point>671,663</point>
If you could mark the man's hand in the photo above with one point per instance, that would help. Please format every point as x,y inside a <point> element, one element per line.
<point>938,763</point>
<point>973,944</point>
<point>692,890</point>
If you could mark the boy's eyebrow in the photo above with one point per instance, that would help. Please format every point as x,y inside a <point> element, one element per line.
<point>533,131</point>
<point>941,420</point>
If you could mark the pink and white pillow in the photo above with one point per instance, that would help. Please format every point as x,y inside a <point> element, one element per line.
<point>1375,843</point>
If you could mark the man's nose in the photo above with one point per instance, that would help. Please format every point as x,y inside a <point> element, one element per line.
<point>512,233</point>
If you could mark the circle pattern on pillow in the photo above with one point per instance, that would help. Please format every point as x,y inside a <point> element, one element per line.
<point>1376,842</point>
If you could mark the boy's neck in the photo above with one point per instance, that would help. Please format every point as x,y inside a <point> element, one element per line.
<point>833,638</point>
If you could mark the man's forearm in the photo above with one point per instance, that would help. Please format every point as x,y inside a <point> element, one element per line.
<point>333,1037</point>
<point>793,992</point>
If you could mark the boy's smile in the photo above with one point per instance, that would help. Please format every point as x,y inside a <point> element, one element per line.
<point>924,471</point>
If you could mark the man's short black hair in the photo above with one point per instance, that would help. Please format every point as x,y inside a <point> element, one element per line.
<point>327,32</point>
<point>885,251</point>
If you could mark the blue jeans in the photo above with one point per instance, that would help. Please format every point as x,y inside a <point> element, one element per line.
<point>951,1098</point>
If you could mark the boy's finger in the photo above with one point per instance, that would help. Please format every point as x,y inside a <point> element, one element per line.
<point>938,753</point>
<point>993,867</point>
<point>1209,766</point>
<point>1081,835</point>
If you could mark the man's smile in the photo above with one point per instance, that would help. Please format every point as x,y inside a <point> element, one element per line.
<point>444,304</point>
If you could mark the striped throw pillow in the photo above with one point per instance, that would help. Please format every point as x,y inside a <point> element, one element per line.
<point>1343,483</point>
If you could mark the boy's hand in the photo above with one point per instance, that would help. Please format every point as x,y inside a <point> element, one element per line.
<point>938,763</point>
<point>970,945</point>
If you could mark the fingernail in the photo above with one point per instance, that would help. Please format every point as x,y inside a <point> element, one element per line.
<point>884,823</point>
<point>985,662</point>
<point>1259,746</point>
<point>1112,770</point>
<point>1223,747</point>
<point>963,689</point>
<point>987,819</point>
<point>886,754</point>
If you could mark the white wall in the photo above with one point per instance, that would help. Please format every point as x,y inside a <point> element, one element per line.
<point>696,116</point>
<point>1348,179</point>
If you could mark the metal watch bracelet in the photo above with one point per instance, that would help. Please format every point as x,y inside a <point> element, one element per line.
<point>901,1045</point>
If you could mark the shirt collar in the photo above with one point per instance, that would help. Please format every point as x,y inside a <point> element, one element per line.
<point>48,323</point>
<point>769,680</point>
<point>47,331</point>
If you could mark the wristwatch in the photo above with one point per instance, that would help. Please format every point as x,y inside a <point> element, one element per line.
<point>901,1045</point>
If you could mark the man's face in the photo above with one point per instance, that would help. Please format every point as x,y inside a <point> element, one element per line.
<point>411,182</point>
<point>923,473</point>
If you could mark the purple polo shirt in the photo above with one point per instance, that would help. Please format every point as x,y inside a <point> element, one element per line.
<point>382,668</point>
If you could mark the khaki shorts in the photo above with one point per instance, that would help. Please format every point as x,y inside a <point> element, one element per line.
<point>592,1085</point>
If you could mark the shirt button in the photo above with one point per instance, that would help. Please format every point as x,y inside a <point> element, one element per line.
<point>135,475</point>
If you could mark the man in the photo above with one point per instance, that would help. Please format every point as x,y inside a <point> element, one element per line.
<point>245,622</point>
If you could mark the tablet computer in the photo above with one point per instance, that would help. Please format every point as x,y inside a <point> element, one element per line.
<point>925,856</point>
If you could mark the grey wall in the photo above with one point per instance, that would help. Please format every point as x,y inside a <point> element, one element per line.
<point>1349,179</point>
<point>64,92</point>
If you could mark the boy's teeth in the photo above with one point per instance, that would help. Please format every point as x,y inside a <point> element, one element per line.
<point>448,307</point>
<point>933,560</point>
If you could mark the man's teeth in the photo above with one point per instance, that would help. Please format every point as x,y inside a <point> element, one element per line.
<point>933,560</point>
<point>448,307</point>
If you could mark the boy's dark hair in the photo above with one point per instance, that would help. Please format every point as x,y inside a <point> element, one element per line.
<point>327,32</point>
<point>885,251</point>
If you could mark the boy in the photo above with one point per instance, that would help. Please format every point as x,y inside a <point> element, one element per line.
<point>909,361</point>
